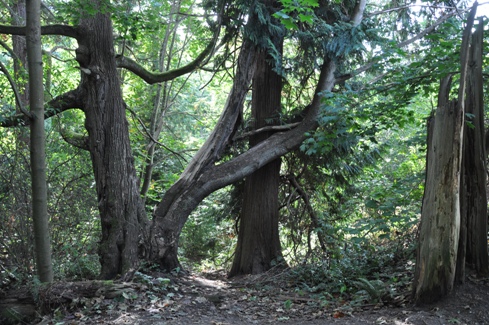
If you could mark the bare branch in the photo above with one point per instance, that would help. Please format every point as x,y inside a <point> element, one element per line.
<point>9,50</point>
<point>63,30</point>
<point>151,78</point>
<point>357,16</point>
<point>428,30</point>
<point>312,214</point>
<point>16,91</point>
<point>380,12</point>
<point>151,137</point>
<point>276,128</point>
<point>61,103</point>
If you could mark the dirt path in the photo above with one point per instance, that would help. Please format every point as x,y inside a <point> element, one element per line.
<point>196,299</point>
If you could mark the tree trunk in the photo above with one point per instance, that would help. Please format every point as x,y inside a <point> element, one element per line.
<point>20,50</point>
<point>37,143</point>
<point>436,259</point>
<point>440,216</point>
<point>258,238</point>
<point>184,196</point>
<point>474,163</point>
<point>121,208</point>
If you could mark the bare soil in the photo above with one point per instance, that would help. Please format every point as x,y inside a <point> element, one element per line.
<point>264,299</point>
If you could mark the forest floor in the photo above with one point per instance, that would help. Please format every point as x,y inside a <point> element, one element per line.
<point>266,299</point>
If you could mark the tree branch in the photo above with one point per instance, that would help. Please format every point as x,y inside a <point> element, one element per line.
<point>75,139</point>
<point>312,214</point>
<point>9,50</point>
<point>63,30</point>
<point>280,143</point>
<point>151,78</point>
<point>275,128</point>
<point>151,137</point>
<point>418,36</point>
<point>357,16</point>
<point>16,91</point>
<point>61,103</point>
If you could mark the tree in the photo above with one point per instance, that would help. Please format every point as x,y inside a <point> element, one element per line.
<point>453,206</point>
<point>126,232</point>
<point>37,143</point>
<point>473,233</point>
<point>258,236</point>
<point>123,219</point>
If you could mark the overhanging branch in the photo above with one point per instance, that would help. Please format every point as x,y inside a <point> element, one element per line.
<point>279,144</point>
<point>151,77</point>
<point>63,30</point>
<point>61,103</point>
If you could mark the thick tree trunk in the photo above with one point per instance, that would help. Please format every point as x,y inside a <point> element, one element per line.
<point>258,238</point>
<point>184,196</point>
<point>440,216</point>
<point>120,205</point>
<point>202,176</point>
<point>436,260</point>
<point>474,163</point>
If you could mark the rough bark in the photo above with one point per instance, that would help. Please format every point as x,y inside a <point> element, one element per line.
<point>436,258</point>
<point>172,212</point>
<point>20,50</point>
<point>202,176</point>
<point>121,208</point>
<point>258,237</point>
<point>183,197</point>
<point>440,216</point>
<point>474,162</point>
<point>40,217</point>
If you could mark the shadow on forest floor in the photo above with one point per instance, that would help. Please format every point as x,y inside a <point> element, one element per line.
<point>263,299</point>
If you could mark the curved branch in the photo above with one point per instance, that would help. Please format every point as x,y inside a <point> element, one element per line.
<point>357,16</point>
<point>61,103</point>
<point>63,30</point>
<point>16,91</point>
<point>9,50</point>
<point>276,146</point>
<point>75,139</point>
<point>151,78</point>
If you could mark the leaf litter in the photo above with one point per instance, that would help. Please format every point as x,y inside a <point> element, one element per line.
<point>270,298</point>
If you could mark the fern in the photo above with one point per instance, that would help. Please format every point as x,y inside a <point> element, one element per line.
<point>374,288</point>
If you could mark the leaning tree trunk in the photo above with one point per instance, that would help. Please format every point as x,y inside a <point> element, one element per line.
<point>436,258</point>
<point>183,197</point>
<point>202,176</point>
<point>120,205</point>
<point>258,238</point>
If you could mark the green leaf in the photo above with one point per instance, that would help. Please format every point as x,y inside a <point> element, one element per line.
<point>306,18</point>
